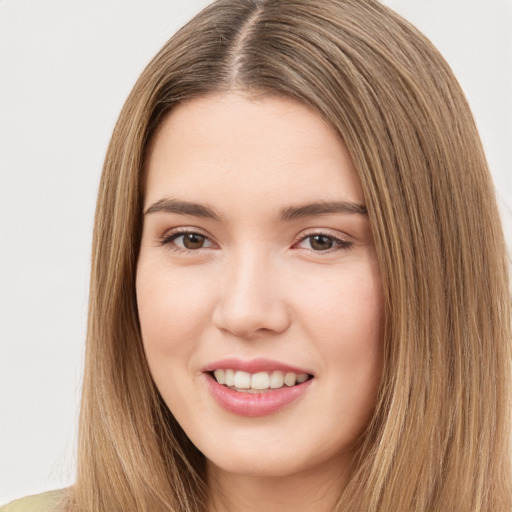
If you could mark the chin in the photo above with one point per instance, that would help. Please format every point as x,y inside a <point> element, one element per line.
<point>272,462</point>
<point>269,467</point>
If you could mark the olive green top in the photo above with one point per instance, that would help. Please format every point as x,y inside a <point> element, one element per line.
<point>44,502</point>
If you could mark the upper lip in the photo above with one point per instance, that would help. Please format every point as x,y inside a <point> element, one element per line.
<point>253,366</point>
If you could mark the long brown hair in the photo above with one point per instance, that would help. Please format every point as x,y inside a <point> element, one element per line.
<point>439,438</point>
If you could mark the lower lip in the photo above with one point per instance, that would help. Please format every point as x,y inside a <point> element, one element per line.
<point>255,404</point>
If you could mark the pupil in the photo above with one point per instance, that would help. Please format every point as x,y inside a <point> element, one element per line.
<point>193,241</point>
<point>321,243</point>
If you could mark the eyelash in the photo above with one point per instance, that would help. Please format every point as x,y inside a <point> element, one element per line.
<point>340,243</point>
<point>169,238</point>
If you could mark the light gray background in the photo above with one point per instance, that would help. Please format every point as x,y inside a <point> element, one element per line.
<point>65,69</point>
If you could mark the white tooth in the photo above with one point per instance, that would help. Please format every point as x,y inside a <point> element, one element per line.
<point>242,380</point>
<point>302,377</point>
<point>220,375</point>
<point>229,377</point>
<point>260,380</point>
<point>290,379</point>
<point>277,379</point>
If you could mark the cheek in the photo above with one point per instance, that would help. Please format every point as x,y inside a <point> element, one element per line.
<point>361,353</point>
<point>345,319</point>
<point>346,310</point>
<point>172,312</point>
<point>360,321</point>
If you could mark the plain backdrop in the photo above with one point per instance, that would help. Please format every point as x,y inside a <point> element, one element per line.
<point>66,67</point>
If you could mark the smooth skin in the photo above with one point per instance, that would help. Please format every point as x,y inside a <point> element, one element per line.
<point>232,266</point>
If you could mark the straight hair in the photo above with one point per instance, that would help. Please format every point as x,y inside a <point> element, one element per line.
<point>439,436</point>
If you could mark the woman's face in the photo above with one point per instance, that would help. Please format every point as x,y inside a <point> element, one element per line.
<point>257,266</point>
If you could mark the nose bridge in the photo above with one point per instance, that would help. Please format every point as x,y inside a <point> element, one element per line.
<point>251,299</point>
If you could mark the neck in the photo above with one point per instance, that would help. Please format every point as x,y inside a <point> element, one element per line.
<point>314,491</point>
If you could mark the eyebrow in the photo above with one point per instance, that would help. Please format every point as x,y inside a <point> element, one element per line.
<point>287,214</point>
<point>321,208</point>
<point>183,208</point>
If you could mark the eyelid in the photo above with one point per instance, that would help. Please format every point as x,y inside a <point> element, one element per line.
<point>343,240</point>
<point>166,240</point>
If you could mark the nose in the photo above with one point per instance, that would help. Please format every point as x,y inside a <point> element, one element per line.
<point>252,301</point>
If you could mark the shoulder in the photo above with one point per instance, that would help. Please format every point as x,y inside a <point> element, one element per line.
<point>38,503</point>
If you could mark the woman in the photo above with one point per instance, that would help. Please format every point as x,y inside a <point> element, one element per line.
<point>299,291</point>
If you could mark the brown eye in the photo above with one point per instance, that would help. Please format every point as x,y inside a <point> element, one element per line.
<point>187,241</point>
<point>321,242</point>
<point>193,241</point>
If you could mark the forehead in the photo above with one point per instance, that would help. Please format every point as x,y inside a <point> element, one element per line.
<point>227,146</point>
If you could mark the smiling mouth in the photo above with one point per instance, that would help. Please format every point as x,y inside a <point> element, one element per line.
<point>259,382</point>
